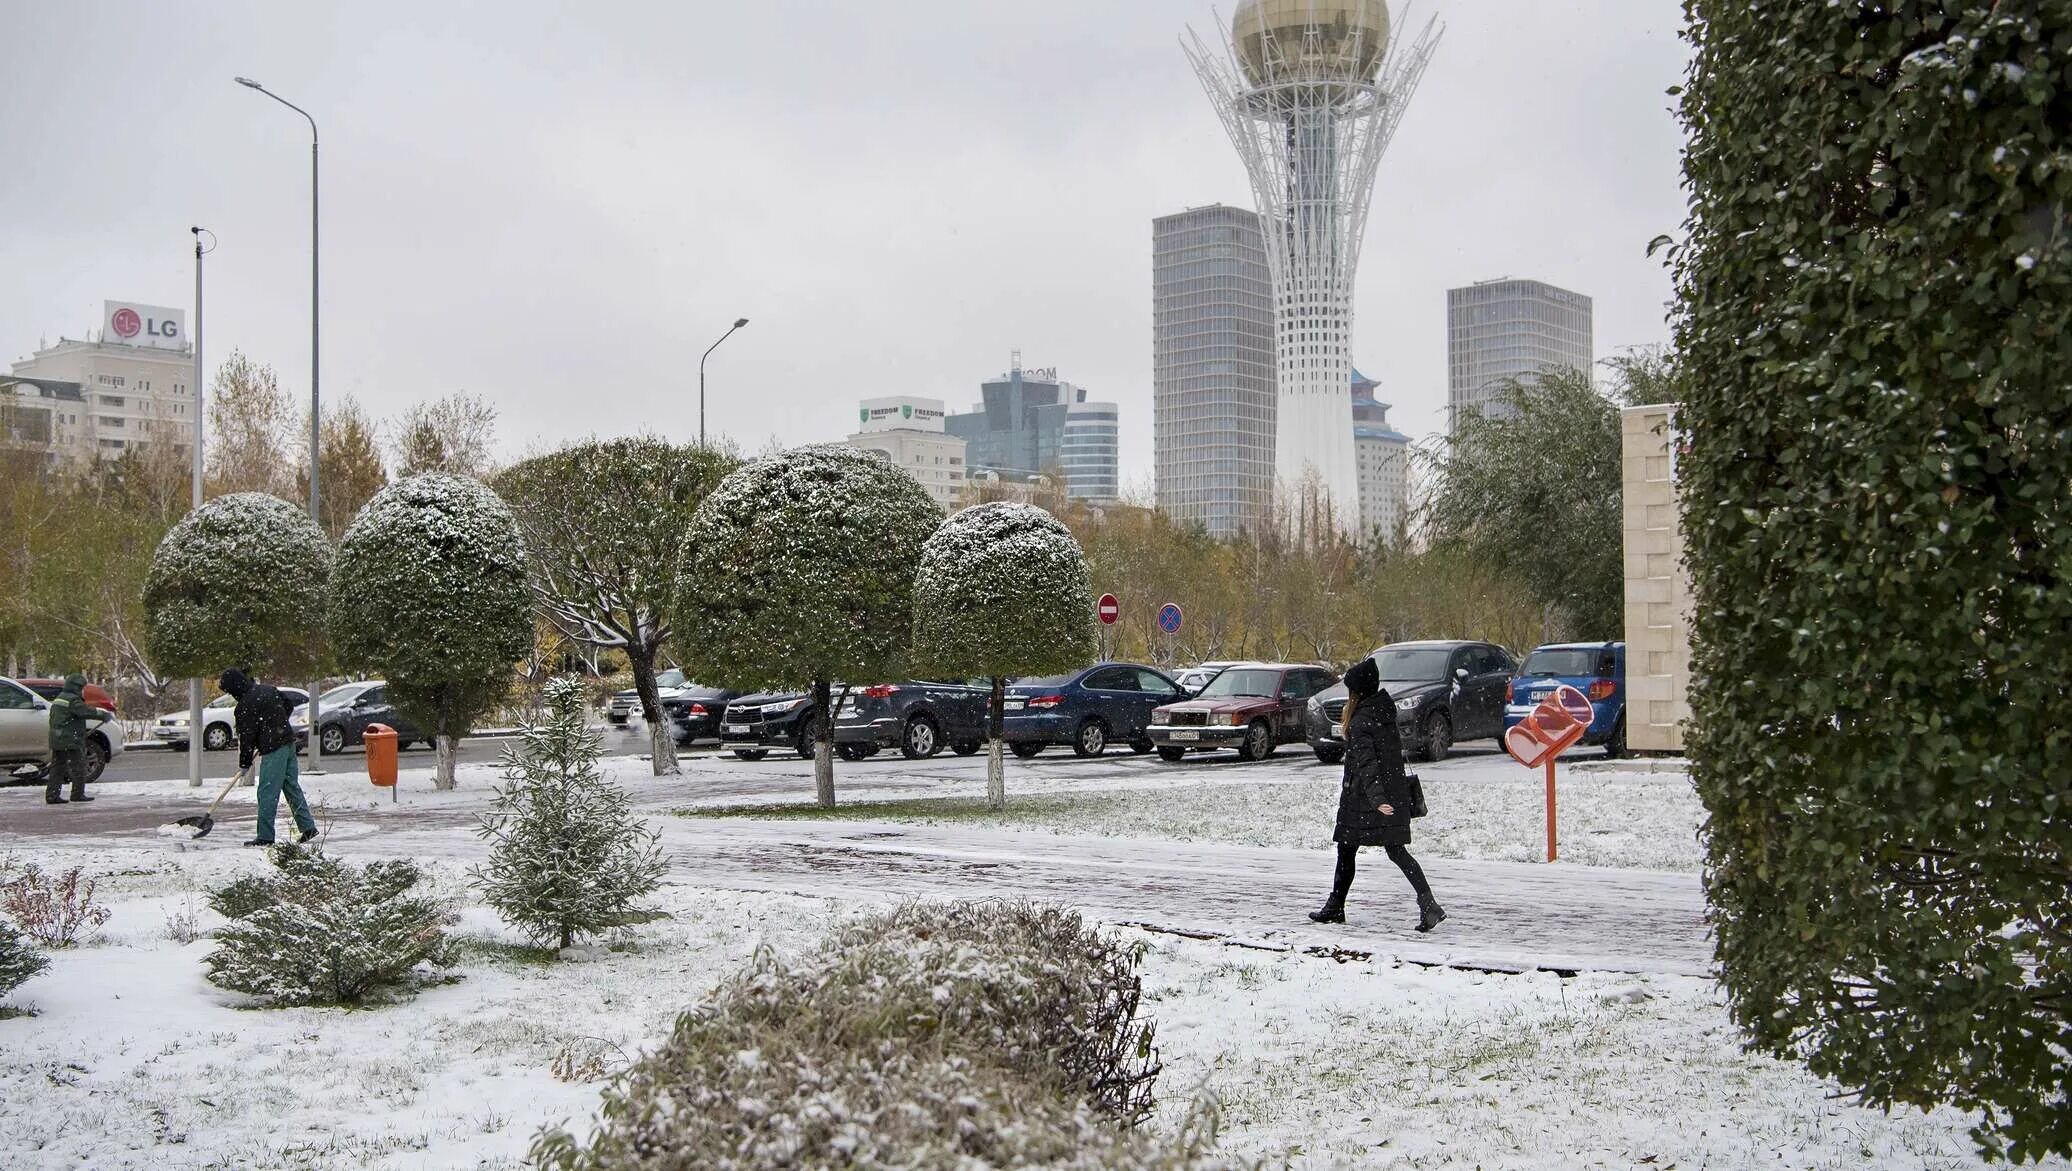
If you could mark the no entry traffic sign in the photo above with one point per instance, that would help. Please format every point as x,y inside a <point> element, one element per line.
<point>1169,617</point>
<point>1110,609</point>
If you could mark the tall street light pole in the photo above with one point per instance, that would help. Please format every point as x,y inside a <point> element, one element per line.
<point>196,730</point>
<point>701,377</point>
<point>315,400</point>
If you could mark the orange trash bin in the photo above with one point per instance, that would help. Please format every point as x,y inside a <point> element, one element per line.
<point>381,754</point>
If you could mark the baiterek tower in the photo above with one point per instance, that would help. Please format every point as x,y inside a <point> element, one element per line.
<point>1311,92</point>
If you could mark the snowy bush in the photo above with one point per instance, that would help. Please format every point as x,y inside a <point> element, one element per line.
<point>985,1035</point>
<point>54,910</point>
<point>1876,334</point>
<point>321,931</point>
<point>238,582</point>
<point>799,570</point>
<point>1003,590</point>
<point>569,857</point>
<point>18,961</point>
<point>437,602</point>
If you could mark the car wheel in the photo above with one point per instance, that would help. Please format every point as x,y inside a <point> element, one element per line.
<point>215,738</point>
<point>1173,755</point>
<point>803,746</point>
<point>1258,742</point>
<point>96,760</point>
<point>1329,754</point>
<point>965,749</point>
<point>1616,746</point>
<point>750,754</point>
<point>1438,736</point>
<point>1092,739</point>
<point>332,742</point>
<point>1140,747</point>
<point>921,740</point>
<point>1026,750</point>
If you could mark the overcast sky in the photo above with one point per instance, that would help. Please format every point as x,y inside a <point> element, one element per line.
<point>560,206</point>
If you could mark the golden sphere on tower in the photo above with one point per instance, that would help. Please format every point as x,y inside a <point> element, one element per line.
<point>1311,40</point>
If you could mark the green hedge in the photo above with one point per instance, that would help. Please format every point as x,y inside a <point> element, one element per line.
<point>1876,327</point>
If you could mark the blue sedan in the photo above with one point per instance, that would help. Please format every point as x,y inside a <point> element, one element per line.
<point>1090,709</point>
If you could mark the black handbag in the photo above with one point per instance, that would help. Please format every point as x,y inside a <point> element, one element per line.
<point>1417,801</point>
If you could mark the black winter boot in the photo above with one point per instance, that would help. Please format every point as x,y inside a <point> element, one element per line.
<point>1429,913</point>
<point>1333,911</point>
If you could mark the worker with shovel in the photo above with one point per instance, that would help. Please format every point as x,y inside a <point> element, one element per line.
<point>70,717</point>
<point>263,731</point>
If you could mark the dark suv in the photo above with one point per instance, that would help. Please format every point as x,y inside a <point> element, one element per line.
<point>756,724</point>
<point>1445,692</point>
<point>918,717</point>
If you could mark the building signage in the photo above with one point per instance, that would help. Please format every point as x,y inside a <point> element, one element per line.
<point>908,414</point>
<point>153,326</point>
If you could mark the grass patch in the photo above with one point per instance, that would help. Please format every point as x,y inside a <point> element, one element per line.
<point>504,955</point>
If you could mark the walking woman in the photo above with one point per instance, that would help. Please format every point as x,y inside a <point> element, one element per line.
<point>1374,798</point>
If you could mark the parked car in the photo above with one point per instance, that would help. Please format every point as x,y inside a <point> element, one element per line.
<point>918,717</point>
<point>1445,692</point>
<point>1089,709</point>
<point>625,704</point>
<point>1597,669</point>
<point>25,733</point>
<point>1252,707</point>
<point>346,711</point>
<point>1194,678</point>
<point>756,724</point>
<point>219,727</point>
<point>697,711</point>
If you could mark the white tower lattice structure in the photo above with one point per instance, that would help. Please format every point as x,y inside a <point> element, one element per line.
<point>1311,92</point>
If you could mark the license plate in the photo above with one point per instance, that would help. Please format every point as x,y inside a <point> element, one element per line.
<point>737,729</point>
<point>1187,736</point>
<point>1015,705</point>
<point>1338,731</point>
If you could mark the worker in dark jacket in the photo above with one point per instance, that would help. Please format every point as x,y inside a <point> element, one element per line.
<point>70,719</point>
<point>1374,798</point>
<point>263,732</point>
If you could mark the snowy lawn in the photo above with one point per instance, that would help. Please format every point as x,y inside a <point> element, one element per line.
<point>1632,815</point>
<point>133,1060</point>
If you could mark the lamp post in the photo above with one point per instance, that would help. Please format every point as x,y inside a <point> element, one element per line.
<point>701,377</point>
<point>315,401</point>
<point>195,728</point>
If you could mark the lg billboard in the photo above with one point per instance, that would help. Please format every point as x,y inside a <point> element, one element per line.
<point>154,326</point>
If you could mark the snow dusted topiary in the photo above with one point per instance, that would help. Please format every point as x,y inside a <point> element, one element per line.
<point>975,1035</point>
<point>799,570</point>
<point>238,582</point>
<point>569,857</point>
<point>1003,590</point>
<point>435,600</point>
<point>321,931</point>
<point>18,961</point>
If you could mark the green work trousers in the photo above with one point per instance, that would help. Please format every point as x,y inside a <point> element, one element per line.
<point>280,772</point>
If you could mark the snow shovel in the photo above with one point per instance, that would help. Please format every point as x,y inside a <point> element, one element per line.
<point>207,821</point>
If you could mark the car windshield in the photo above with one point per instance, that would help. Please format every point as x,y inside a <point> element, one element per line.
<point>1573,661</point>
<point>1241,683</point>
<point>340,696</point>
<point>1422,665</point>
<point>223,701</point>
<point>671,678</point>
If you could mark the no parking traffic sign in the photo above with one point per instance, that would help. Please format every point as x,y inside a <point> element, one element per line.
<point>1169,617</point>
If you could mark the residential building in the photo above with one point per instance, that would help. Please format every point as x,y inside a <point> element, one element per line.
<point>1212,368</point>
<point>1018,431</point>
<point>908,432</point>
<point>1382,455</point>
<point>1503,329</point>
<point>40,415</point>
<point>135,376</point>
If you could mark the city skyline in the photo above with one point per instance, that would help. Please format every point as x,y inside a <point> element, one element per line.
<point>485,232</point>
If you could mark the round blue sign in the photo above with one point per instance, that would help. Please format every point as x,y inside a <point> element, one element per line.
<point>1169,618</point>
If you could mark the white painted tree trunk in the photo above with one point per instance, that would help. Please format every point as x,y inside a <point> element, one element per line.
<point>662,743</point>
<point>447,749</point>
<point>996,776</point>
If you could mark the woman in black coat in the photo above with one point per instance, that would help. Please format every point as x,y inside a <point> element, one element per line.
<point>1374,798</point>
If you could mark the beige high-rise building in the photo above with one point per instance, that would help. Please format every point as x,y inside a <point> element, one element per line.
<point>1504,329</point>
<point>1382,455</point>
<point>908,432</point>
<point>1658,589</point>
<point>135,377</point>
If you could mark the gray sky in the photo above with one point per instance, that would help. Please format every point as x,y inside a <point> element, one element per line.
<point>559,206</point>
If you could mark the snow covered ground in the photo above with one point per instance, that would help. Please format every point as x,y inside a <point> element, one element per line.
<point>133,1060</point>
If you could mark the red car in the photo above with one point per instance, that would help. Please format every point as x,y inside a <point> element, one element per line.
<point>49,689</point>
<point>1252,707</point>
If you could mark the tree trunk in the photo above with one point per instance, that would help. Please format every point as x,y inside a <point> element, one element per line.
<point>996,767</point>
<point>447,749</point>
<point>661,736</point>
<point>823,743</point>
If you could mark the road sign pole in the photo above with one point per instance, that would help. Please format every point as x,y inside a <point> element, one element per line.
<point>1551,853</point>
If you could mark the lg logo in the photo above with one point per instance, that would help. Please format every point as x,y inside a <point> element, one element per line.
<point>127,323</point>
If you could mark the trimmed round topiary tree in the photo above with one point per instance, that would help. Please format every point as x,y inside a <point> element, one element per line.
<point>1003,590</point>
<point>1876,334</point>
<point>238,582</point>
<point>436,602</point>
<point>798,571</point>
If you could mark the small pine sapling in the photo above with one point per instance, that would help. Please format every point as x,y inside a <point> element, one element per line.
<point>569,857</point>
<point>18,961</point>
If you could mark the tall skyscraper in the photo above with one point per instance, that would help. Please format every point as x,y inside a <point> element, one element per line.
<point>1311,91</point>
<point>1212,368</point>
<point>1383,456</point>
<point>1020,427</point>
<point>1508,328</point>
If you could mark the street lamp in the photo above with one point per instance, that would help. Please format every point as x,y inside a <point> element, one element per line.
<point>701,377</point>
<point>315,402</point>
<point>195,727</point>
